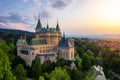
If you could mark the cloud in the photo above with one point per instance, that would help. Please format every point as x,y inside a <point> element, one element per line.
<point>13,17</point>
<point>9,25</point>
<point>44,12</point>
<point>37,3</point>
<point>60,4</point>
<point>45,6</point>
<point>15,21</point>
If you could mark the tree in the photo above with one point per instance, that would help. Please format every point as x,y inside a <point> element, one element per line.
<point>12,47</point>
<point>60,62</point>
<point>4,47</point>
<point>18,60</point>
<point>41,78</point>
<point>115,64</point>
<point>79,62</point>
<point>59,74</point>
<point>5,69</point>
<point>19,72</point>
<point>86,63</point>
<point>76,75</point>
<point>48,66</point>
<point>36,68</point>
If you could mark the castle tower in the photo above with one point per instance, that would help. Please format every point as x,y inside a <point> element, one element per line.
<point>57,27</point>
<point>55,37</point>
<point>38,27</point>
<point>48,33</point>
<point>21,43</point>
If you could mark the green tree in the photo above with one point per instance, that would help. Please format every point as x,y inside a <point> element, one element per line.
<point>86,63</point>
<point>48,66</point>
<point>18,60</point>
<point>60,62</point>
<point>5,69</point>
<point>76,75</point>
<point>115,64</point>
<point>79,62</point>
<point>19,72</point>
<point>59,74</point>
<point>36,68</point>
<point>12,47</point>
<point>4,47</point>
<point>41,78</point>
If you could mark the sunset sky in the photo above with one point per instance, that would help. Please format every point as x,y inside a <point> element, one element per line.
<point>87,17</point>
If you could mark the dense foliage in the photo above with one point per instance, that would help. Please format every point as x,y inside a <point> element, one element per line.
<point>19,72</point>
<point>87,54</point>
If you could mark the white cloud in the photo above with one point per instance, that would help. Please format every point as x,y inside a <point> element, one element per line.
<point>37,3</point>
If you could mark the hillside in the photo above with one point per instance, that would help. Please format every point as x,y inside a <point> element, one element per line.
<point>13,31</point>
<point>6,34</point>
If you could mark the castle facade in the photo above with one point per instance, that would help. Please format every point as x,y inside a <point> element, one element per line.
<point>47,45</point>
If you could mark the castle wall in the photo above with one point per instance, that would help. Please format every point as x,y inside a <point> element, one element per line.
<point>71,53</point>
<point>43,48</point>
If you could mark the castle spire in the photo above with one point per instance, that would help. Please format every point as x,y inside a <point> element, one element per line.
<point>63,36</point>
<point>47,25</point>
<point>39,25</point>
<point>57,27</point>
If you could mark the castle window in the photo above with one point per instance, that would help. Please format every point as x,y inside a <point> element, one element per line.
<point>40,51</point>
<point>71,54</point>
<point>43,51</point>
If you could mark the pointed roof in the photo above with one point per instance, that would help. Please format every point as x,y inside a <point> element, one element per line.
<point>63,36</point>
<point>47,25</point>
<point>39,25</point>
<point>57,27</point>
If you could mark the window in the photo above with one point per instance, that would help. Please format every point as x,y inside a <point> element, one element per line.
<point>71,54</point>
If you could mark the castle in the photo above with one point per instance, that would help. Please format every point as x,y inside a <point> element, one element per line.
<point>47,45</point>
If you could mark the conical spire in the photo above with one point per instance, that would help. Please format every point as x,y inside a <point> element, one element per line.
<point>39,25</point>
<point>57,27</point>
<point>47,25</point>
<point>64,36</point>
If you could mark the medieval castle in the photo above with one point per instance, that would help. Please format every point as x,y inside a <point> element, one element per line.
<point>47,45</point>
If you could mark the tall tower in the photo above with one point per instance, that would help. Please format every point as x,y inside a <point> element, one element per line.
<point>58,30</point>
<point>57,27</point>
<point>39,25</point>
<point>21,43</point>
<point>56,36</point>
<point>48,33</point>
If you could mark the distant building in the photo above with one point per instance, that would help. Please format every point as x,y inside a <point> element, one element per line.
<point>47,45</point>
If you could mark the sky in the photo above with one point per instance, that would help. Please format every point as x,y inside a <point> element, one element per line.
<point>76,17</point>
